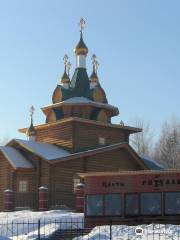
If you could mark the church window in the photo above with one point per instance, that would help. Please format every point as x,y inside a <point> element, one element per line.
<point>102,141</point>
<point>23,186</point>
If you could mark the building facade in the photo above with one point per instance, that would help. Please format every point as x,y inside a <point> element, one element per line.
<point>132,197</point>
<point>77,136</point>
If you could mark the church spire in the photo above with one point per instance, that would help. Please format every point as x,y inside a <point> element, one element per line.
<point>31,132</point>
<point>94,78</point>
<point>65,81</point>
<point>81,50</point>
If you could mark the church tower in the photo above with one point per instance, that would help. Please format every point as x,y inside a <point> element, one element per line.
<point>79,117</point>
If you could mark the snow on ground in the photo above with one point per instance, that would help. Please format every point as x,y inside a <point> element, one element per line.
<point>123,232</point>
<point>23,225</point>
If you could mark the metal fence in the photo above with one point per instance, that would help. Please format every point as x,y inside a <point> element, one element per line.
<point>74,229</point>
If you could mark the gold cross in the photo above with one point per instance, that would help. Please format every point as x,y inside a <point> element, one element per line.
<point>68,67</point>
<point>96,65</point>
<point>81,24</point>
<point>31,110</point>
<point>93,59</point>
<point>65,58</point>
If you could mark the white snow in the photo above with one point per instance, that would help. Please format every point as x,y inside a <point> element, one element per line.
<point>14,225</point>
<point>15,158</point>
<point>123,232</point>
<point>77,100</point>
<point>44,150</point>
<point>82,100</point>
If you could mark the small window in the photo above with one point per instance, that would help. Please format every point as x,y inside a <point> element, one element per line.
<point>151,203</point>
<point>132,204</point>
<point>102,141</point>
<point>23,186</point>
<point>94,205</point>
<point>172,203</point>
<point>112,204</point>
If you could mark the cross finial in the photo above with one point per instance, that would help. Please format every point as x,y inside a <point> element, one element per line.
<point>65,59</point>
<point>81,24</point>
<point>93,58</point>
<point>95,63</point>
<point>31,110</point>
<point>68,67</point>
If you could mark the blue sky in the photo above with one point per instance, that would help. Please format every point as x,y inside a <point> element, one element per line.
<point>136,42</point>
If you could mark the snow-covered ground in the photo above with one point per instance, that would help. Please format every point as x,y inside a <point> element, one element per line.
<point>123,232</point>
<point>23,225</point>
<point>14,225</point>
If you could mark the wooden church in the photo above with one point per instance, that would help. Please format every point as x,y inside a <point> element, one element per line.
<point>77,136</point>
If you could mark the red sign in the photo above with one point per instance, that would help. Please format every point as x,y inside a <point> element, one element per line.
<point>133,183</point>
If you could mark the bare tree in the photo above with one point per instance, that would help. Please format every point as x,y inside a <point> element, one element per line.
<point>167,150</point>
<point>142,142</point>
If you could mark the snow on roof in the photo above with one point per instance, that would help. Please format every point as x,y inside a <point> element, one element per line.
<point>15,158</point>
<point>80,100</point>
<point>77,100</point>
<point>44,150</point>
<point>152,164</point>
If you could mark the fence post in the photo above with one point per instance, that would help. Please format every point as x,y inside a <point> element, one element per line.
<point>79,191</point>
<point>43,199</point>
<point>8,200</point>
<point>39,226</point>
<point>110,230</point>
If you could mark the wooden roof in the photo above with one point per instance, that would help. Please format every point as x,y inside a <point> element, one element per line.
<point>81,101</point>
<point>81,120</point>
<point>41,149</point>
<point>15,158</point>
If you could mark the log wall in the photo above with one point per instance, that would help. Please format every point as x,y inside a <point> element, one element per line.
<point>59,134</point>
<point>63,173</point>
<point>6,177</point>
<point>87,135</point>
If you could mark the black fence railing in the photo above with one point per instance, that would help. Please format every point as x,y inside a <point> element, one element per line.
<point>74,229</point>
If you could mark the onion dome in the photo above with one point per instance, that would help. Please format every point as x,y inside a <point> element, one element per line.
<point>65,77</point>
<point>81,48</point>
<point>31,131</point>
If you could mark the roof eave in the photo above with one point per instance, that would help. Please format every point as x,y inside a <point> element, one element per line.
<point>126,128</point>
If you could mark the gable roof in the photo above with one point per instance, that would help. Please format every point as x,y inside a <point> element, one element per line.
<point>54,154</point>
<point>44,150</point>
<point>106,149</point>
<point>16,159</point>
